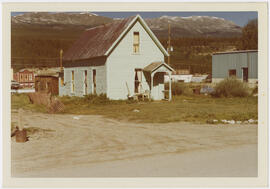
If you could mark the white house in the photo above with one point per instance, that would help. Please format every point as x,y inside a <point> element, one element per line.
<point>120,59</point>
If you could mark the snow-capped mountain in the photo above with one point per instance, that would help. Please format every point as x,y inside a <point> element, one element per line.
<point>194,26</point>
<point>44,18</point>
<point>180,26</point>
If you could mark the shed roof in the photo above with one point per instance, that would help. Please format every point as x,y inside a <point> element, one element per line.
<point>233,52</point>
<point>155,65</point>
<point>99,41</point>
<point>48,75</point>
<point>49,72</point>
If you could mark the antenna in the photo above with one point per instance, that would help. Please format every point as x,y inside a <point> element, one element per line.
<point>61,57</point>
<point>169,45</point>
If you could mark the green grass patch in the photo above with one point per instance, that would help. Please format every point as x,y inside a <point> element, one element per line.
<point>22,101</point>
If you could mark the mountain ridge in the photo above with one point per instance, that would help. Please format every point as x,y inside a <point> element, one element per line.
<point>205,26</point>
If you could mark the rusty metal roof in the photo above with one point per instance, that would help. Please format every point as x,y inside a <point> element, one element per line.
<point>151,67</point>
<point>95,42</point>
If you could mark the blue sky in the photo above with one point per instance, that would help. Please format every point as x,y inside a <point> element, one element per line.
<point>240,18</point>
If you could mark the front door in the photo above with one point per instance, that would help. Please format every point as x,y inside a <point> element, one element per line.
<point>245,74</point>
<point>161,91</point>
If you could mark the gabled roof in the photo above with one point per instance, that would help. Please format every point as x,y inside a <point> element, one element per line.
<point>101,40</point>
<point>155,65</point>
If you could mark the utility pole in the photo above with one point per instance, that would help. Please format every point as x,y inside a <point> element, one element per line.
<point>169,45</point>
<point>61,59</point>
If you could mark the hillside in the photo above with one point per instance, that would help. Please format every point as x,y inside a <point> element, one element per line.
<point>194,26</point>
<point>36,38</point>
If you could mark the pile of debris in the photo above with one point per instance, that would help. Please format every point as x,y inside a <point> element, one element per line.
<point>22,134</point>
<point>19,131</point>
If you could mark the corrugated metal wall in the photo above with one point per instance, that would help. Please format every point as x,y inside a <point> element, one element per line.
<point>222,63</point>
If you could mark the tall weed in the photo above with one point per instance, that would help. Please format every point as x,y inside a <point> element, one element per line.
<point>231,87</point>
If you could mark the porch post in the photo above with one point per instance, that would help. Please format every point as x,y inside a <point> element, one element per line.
<point>170,87</point>
<point>152,77</point>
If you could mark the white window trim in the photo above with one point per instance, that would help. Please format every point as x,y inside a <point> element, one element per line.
<point>84,91</point>
<point>92,81</point>
<point>72,82</point>
<point>134,53</point>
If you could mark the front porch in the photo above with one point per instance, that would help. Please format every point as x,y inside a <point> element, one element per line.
<point>154,74</point>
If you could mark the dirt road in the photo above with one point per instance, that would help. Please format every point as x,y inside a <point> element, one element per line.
<point>93,146</point>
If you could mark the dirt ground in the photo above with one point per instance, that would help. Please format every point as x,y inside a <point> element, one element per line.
<point>94,146</point>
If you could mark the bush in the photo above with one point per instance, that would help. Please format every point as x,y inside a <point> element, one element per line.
<point>255,90</point>
<point>231,87</point>
<point>179,88</point>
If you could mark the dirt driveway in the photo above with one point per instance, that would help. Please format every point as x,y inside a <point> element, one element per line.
<point>93,146</point>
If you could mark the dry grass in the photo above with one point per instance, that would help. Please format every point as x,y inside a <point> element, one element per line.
<point>199,109</point>
<point>22,101</point>
<point>231,87</point>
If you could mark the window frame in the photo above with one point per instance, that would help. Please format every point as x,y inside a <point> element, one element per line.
<point>30,77</point>
<point>85,85</point>
<point>72,81</point>
<point>232,75</point>
<point>94,81</point>
<point>136,44</point>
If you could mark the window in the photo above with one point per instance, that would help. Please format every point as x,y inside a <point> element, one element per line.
<point>72,82</point>
<point>136,42</point>
<point>30,77</point>
<point>62,81</point>
<point>245,74</point>
<point>232,73</point>
<point>85,82</point>
<point>94,81</point>
<point>61,75</point>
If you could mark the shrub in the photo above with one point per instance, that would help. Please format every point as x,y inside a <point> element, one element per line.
<point>179,88</point>
<point>255,90</point>
<point>231,87</point>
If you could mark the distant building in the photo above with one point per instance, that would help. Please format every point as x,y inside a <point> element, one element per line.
<point>181,72</point>
<point>186,78</point>
<point>240,64</point>
<point>120,59</point>
<point>25,77</point>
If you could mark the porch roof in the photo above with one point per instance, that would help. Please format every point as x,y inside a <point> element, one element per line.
<point>155,65</point>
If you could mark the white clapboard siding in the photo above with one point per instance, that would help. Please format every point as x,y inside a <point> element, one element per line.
<point>79,80</point>
<point>122,62</point>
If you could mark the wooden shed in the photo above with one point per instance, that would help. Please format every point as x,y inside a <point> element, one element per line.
<point>48,83</point>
